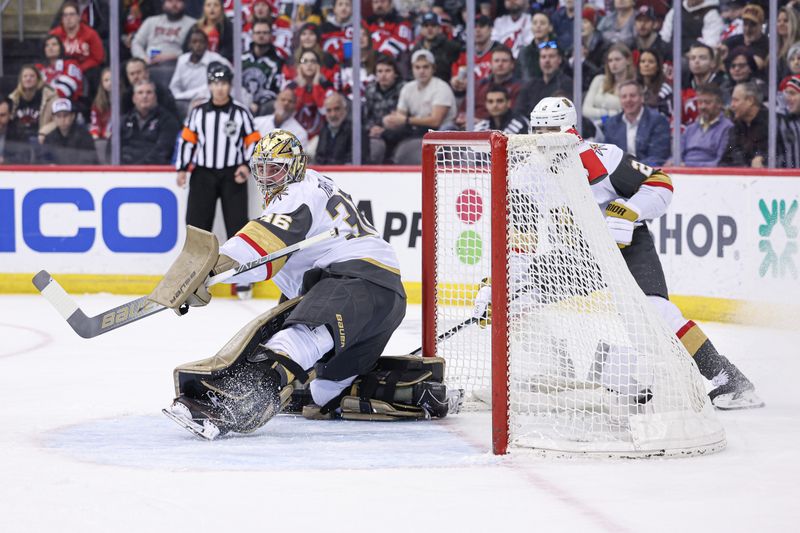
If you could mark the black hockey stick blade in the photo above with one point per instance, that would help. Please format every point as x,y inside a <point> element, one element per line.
<point>88,327</point>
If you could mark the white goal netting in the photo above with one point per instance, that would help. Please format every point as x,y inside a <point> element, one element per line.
<point>591,368</point>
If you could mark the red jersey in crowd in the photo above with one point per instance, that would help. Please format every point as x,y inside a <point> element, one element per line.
<point>310,103</point>
<point>483,64</point>
<point>85,47</point>
<point>391,34</point>
<point>334,38</point>
<point>64,76</point>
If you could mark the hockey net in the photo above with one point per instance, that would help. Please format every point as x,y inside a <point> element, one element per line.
<point>574,361</point>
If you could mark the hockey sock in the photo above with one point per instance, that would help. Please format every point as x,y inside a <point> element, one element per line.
<point>304,345</point>
<point>713,366</point>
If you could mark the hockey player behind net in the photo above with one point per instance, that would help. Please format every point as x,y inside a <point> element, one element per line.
<point>341,301</point>
<point>630,193</point>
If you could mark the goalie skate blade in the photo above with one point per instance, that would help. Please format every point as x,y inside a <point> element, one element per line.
<point>207,431</point>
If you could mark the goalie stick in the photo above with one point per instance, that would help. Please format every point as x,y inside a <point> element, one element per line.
<point>88,327</point>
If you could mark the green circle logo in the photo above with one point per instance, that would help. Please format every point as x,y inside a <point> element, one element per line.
<point>469,247</point>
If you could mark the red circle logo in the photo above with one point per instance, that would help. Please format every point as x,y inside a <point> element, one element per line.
<point>469,206</point>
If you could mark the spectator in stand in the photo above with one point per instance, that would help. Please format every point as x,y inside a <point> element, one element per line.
<point>543,35</point>
<point>134,13</point>
<point>189,79</point>
<point>100,123</point>
<point>381,99</point>
<point>793,59</point>
<point>563,21</point>
<point>444,50</point>
<point>336,31</point>
<point>638,130</point>
<point>391,33</point>
<point>753,37</point>
<point>601,99</point>
<point>788,148</point>
<point>148,131</point>
<point>136,71</point>
<point>336,138</point>
<point>731,13</point>
<point>617,26</point>
<point>514,30</point>
<point>657,90</point>
<point>262,70</point>
<point>484,45</point>
<point>93,13</point>
<point>747,144</point>
<point>81,43</point>
<point>646,34</point>
<point>283,117</point>
<point>553,79</point>
<point>703,69</point>
<point>5,119</point>
<point>343,78</point>
<point>69,143</point>
<point>701,21</point>
<point>218,28</point>
<point>594,48</point>
<point>501,116</point>
<point>426,103</point>
<point>706,139</point>
<point>160,38</point>
<point>311,88</point>
<point>31,114</point>
<point>502,75</point>
<point>788,35</point>
<point>63,75</point>
<point>741,65</point>
<point>308,40</point>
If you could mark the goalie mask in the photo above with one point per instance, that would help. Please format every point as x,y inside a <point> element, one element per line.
<point>553,114</point>
<point>278,160</point>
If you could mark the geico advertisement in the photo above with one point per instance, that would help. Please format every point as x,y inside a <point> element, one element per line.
<point>84,222</point>
<point>732,237</point>
<point>133,222</point>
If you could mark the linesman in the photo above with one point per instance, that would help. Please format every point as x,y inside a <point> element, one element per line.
<point>218,138</point>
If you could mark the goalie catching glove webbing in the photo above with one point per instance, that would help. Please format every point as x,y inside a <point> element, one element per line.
<point>621,219</point>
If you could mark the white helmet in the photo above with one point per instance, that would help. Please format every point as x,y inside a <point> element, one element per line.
<point>554,112</point>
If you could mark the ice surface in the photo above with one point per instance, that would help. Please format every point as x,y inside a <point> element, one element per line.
<point>84,448</point>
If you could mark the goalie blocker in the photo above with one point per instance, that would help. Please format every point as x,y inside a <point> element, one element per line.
<point>245,384</point>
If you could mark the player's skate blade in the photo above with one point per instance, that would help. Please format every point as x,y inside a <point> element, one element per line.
<point>181,415</point>
<point>747,399</point>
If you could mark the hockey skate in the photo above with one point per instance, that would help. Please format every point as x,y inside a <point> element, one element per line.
<point>732,394</point>
<point>240,402</point>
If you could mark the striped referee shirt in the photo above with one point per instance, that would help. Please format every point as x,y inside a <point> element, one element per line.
<point>217,136</point>
<point>788,146</point>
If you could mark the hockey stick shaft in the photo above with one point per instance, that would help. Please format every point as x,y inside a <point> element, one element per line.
<point>122,315</point>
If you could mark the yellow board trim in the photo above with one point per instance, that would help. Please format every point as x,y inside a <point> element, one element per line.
<point>701,308</point>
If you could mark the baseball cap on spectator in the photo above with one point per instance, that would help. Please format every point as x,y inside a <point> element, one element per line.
<point>791,83</point>
<point>482,20</point>
<point>423,53</point>
<point>62,105</point>
<point>646,11</point>
<point>590,14</point>
<point>753,12</point>
<point>430,18</point>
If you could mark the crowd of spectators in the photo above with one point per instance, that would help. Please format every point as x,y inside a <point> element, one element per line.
<point>297,74</point>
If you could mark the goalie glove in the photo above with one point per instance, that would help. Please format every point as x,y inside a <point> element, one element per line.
<point>201,296</point>
<point>482,310</point>
<point>621,219</point>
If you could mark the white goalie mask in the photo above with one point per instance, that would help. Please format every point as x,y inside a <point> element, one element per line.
<point>553,114</point>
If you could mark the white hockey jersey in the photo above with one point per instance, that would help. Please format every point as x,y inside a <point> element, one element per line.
<point>306,208</point>
<point>514,34</point>
<point>614,174</point>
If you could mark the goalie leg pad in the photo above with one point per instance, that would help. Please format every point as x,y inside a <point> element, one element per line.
<point>189,271</point>
<point>400,388</point>
<point>230,391</point>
